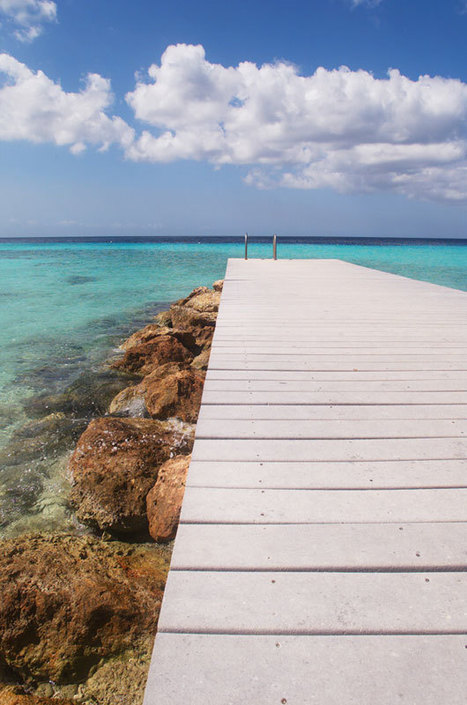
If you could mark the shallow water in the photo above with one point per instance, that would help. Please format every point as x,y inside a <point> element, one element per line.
<point>64,306</point>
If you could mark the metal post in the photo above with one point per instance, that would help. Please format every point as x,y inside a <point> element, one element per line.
<point>246,245</point>
<point>274,246</point>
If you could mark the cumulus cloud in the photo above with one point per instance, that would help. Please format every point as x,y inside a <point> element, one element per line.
<point>339,129</point>
<point>342,129</point>
<point>28,16</point>
<point>35,108</point>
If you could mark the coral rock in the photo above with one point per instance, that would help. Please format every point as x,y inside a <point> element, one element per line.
<point>145,357</point>
<point>153,330</point>
<point>197,310</point>
<point>115,464</point>
<point>173,391</point>
<point>69,601</point>
<point>201,361</point>
<point>164,501</point>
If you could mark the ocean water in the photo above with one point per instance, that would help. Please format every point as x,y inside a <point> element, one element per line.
<point>64,306</point>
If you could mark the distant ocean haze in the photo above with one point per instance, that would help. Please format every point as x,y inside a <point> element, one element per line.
<point>65,306</point>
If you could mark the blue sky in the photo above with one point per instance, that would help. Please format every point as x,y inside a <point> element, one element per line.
<point>236,126</point>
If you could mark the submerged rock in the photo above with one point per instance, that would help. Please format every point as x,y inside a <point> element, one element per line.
<point>44,438</point>
<point>14,695</point>
<point>164,501</point>
<point>89,395</point>
<point>145,357</point>
<point>67,602</point>
<point>114,466</point>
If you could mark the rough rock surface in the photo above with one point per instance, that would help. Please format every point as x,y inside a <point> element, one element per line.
<point>130,402</point>
<point>164,319</point>
<point>198,309</point>
<point>201,361</point>
<point>146,357</point>
<point>151,331</point>
<point>218,285</point>
<point>115,464</point>
<point>144,334</point>
<point>164,501</point>
<point>69,601</point>
<point>173,391</point>
<point>15,696</point>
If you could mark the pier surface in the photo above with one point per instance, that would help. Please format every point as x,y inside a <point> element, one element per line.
<point>322,551</point>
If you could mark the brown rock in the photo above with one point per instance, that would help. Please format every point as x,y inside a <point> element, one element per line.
<point>173,391</point>
<point>144,334</point>
<point>164,319</point>
<point>197,310</point>
<point>70,601</point>
<point>196,292</point>
<point>145,357</point>
<point>14,695</point>
<point>115,464</point>
<point>218,285</point>
<point>201,361</point>
<point>203,336</point>
<point>164,501</point>
<point>129,402</point>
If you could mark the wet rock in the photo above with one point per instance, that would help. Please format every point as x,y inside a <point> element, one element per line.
<point>44,438</point>
<point>114,466</point>
<point>15,695</point>
<point>145,357</point>
<point>199,309</point>
<point>20,488</point>
<point>27,461</point>
<point>67,602</point>
<point>129,402</point>
<point>164,500</point>
<point>89,395</point>
<point>121,680</point>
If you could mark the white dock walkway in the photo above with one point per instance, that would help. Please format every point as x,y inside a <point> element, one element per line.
<point>322,552</point>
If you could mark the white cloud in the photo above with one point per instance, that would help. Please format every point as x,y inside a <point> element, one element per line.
<point>28,16</point>
<point>34,108</point>
<point>368,3</point>
<point>341,129</point>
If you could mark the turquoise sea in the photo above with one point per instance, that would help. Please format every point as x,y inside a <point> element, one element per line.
<point>64,306</point>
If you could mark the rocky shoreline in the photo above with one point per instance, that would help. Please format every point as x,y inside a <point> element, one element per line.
<point>79,609</point>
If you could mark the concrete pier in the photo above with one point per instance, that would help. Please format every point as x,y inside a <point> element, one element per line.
<point>322,552</point>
